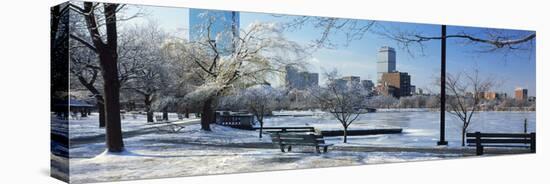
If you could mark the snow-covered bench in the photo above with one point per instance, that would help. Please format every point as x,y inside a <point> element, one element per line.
<point>481,140</point>
<point>299,139</point>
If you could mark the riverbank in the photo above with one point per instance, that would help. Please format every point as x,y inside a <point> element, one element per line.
<point>154,153</point>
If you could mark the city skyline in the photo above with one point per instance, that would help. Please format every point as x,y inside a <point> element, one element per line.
<point>359,57</point>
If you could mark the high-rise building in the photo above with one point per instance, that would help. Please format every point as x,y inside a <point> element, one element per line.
<point>367,85</point>
<point>386,61</point>
<point>397,84</point>
<point>219,27</point>
<point>339,83</point>
<point>491,95</point>
<point>295,79</point>
<point>520,94</point>
<point>352,79</point>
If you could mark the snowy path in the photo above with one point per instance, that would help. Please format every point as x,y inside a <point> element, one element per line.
<point>165,160</point>
<point>150,128</point>
<point>224,150</point>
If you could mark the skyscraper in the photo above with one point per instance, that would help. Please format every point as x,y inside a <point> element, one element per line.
<point>219,27</point>
<point>386,61</point>
<point>301,80</point>
<point>520,93</point>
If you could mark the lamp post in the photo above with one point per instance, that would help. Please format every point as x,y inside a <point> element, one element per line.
<point>442,87</point>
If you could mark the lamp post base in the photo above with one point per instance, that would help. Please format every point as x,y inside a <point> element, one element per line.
<point>442,143</point>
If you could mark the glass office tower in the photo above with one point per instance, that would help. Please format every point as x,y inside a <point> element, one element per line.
<point>219,27</point>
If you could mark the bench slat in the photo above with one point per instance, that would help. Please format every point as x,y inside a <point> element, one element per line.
<point>511,135</point>
<point>501,145</point>
<point>284,139</point>
<point>502,141</point>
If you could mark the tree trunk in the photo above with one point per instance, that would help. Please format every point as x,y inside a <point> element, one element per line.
<point>108,59</point>
<point>207,115</point>
<point>111,88</point>
<point>187,113</point>
<point>101,111</point>
<point>165,114</point>
<point>463,137</point>
<point>148,108</point>
<point>261,127</point>
<point>83,113</point>
<point>345,134</point>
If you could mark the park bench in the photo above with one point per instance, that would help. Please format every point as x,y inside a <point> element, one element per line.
<point>159,118</point>
<point>287,129</point>
<point>242,121</point>
<point>481,140</point>
<point>285,139</point>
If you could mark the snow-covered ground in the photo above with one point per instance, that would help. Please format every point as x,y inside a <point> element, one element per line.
<point>169,155</point>
<point>191,151</point>
<point>89,126</point>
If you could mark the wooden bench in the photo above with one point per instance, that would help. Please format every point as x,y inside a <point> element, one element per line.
<point>299,139</point>
<point>242,121</point>
<point>287,129</point>
<point>158,118</point>
<point>481,140</point>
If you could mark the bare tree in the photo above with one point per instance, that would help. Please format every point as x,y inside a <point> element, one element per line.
<point>85,68</point>
<point>344,102</point>
<point>485,40</point>
<point>351,29</point>
<point>105,45</point>
<point>488,40</point>
<point>465,95</point>
<point>260,100</point>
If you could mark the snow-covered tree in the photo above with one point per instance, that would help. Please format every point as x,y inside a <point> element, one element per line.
<point>261,100</point>
<point>382,101</point>
<point>258,52</point>
<point>344,102</point>
<point>144,50</point>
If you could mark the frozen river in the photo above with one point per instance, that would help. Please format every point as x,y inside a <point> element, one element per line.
<point>420,129</point>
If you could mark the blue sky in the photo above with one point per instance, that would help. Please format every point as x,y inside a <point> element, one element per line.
<point>359,57</point>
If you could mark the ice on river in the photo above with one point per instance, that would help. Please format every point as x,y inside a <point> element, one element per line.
<point>420,128</point>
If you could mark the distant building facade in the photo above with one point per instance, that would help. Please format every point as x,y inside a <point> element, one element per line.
<point>223,27</point>
<point>386,61</point>
<point>352,79</point>
<point>520,94</point>
<point>367,84</point>
<point>491,95</point>
<point>295,79</point>
<point>397,84</point>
